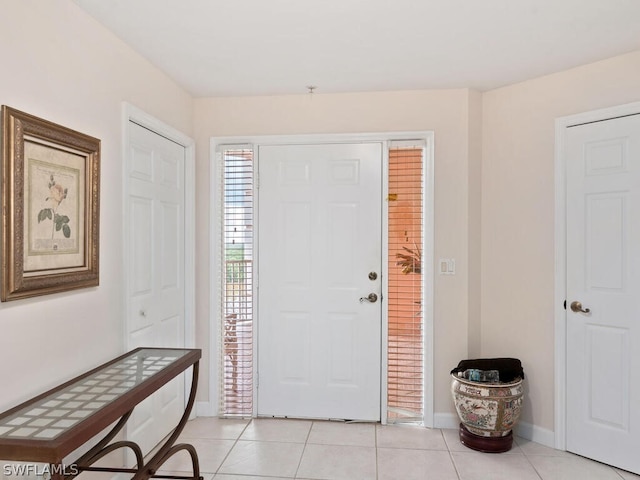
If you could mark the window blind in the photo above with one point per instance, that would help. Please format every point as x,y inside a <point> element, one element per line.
<point>405,377</point>
<point>236,372</point>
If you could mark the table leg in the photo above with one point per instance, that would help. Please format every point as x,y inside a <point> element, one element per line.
<point>168,449</point>
<point>142,471</point>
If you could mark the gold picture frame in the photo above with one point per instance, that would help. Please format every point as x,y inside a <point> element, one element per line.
<point>50,207</point>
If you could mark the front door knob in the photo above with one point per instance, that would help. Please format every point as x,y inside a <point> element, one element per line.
<point>371,298</point>
<point>577,307</point>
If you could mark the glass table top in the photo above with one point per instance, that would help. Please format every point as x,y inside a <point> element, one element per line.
<point>54,414</point>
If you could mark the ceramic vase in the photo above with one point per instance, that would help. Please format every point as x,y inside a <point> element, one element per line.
<point>485,409</point>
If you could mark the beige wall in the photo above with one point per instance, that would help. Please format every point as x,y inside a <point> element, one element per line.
<point>517,278</point>
<point>59,64</point>
<point>444,111</point>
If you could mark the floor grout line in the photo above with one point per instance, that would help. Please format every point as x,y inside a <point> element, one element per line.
<point>304,449</point>
<point>453,462</point>
<point>235,442</point>
<point>530,462</point>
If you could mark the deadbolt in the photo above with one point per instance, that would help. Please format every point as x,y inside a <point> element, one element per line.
<point>371,298</point>
<point>577,307</point>
<point>373,275</point>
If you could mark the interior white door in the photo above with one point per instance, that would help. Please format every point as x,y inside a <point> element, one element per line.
<point>319,238</point>
<point>603,274</point>
<point>155,270</point>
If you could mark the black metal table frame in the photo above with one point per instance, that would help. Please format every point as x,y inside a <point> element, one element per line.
<point>143,470</point>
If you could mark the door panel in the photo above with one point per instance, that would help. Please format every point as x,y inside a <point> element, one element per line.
<point>140,273</point>
<point>320,236</point>
<point>603,273</point>
<point>608,349</point>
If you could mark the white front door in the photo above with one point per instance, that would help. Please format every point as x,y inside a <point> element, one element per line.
<point>603,274</point>
<point>155,269</point>
<point>319,238</point>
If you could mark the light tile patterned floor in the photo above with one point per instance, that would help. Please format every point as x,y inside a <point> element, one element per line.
<point>275,449</point>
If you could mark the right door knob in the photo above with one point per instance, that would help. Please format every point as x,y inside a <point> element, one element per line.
<point>577,307</point>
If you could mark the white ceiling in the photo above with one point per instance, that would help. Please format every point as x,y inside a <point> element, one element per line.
<point>266,47</point>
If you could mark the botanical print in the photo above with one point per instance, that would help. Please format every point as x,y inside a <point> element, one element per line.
<point>57,193</point>
<point>54,208</point>
<point>53,189</point>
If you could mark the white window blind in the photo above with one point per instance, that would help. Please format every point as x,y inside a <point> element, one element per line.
<point>236,372</point>
<point>405,377</point>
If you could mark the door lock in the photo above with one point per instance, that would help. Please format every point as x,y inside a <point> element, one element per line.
<point>373,275</point>
<point>371,298</point>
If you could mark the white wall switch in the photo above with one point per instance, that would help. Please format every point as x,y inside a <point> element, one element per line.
<point>447,266</point>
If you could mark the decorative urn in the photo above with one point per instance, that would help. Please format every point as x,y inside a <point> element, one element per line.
<point>487,407</point>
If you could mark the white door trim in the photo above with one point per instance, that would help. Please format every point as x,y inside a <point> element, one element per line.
<point>560,313</point>
<point>136,115</point>
<point>428,278</point>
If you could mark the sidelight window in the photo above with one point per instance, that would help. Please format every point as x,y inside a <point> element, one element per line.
<point>405,348</point>
<point>236,302</point>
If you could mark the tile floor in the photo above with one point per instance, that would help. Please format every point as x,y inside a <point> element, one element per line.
<point>278,449</point>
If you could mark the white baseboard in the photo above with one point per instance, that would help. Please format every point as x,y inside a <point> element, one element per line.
<point>205,409</point>
<point>446,420</point>
<point>535,434</point>
<point>523,429</point>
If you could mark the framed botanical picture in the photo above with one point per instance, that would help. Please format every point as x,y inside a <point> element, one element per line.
<point>50,207</point>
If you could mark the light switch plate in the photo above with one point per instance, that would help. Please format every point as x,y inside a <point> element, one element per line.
<point>447,266</point>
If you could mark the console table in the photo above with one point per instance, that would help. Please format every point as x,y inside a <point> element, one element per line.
<point>50,426</point>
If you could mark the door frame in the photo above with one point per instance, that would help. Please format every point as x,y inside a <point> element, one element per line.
<point>428,278</point>
<point>560,276</point>
<point>136,115</point>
